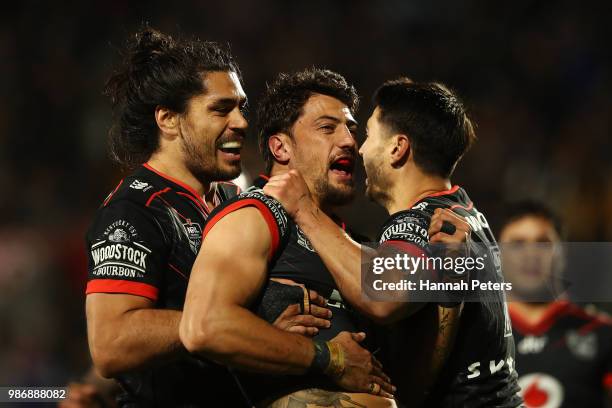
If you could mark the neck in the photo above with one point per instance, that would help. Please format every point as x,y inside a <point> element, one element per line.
<point>409,187</point>
<point>176,169</point>
<point>281,169</point>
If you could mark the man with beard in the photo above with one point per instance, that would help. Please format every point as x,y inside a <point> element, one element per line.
<point>446,354</point>
<point>305,122</point>
<point>563,351</point>
<point>180,123</point>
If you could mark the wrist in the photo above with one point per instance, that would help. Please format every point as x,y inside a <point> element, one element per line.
<point>328,359</point>
<point>306,213</point>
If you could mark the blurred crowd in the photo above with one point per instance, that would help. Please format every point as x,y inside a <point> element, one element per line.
<point>534,74</point>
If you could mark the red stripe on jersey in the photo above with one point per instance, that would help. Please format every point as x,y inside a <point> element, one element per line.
<point>607,381</point>
<point>112,193</point>
<point>404,246</point>
<point>263,176</point>
<point>538,328</point>
<point>177,270</point>
<point>250,202</point>
<point>468,208</point>
<point>122,286</point>
<point>437,194</point>
<point>197,203</point>
<point>165,190</point>
<point>175,181</point>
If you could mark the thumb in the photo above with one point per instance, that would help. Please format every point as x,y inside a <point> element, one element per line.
<point>358,337</point>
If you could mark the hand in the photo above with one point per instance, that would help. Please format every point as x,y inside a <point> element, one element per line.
<point>361,369</point>
<point>291,190</point>
<point>307,322</point>
<point>462,232</point>
<point>81,395</point>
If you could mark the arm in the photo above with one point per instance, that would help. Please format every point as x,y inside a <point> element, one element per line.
<point>125,332</point>
<point>329,241</point>
<point>226,279</point>
<point>217,324</point>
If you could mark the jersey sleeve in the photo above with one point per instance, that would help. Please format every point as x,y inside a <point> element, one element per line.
<point>271,210</point>
<point>406,230</point>
<point>127,251</point>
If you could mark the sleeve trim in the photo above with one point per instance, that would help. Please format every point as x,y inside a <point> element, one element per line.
<point>249,202</point>
<point>122,286</point>
<point>607,381</point>
<point>412,249</point>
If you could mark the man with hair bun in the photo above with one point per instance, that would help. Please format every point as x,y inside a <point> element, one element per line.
<point>179,127</point>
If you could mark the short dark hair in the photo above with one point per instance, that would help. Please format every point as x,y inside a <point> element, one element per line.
<point>432,117</point>
<point>526,208</point>
<point>282,102</point>
<point>157,70</point>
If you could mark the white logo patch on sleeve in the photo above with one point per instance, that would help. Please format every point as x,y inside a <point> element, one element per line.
<point>117,254</point>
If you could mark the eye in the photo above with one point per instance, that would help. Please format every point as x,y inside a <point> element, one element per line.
<point>327,128</point>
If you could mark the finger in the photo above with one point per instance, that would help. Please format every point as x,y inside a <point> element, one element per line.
<point>317,299</point>
<point>321,312</point>
<point>358,337</point>
<point>305,331</point>
<point>311,321</point>
<point>378,372</point>
<point>290,311</point>
<point>384,385</point>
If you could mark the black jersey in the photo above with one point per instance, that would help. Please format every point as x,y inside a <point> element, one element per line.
<point>479,371</point>
<point>564,359</point>
<point>291,257</point>
<point>143,241</point>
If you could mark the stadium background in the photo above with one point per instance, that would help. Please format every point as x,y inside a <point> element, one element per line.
<point>535,76</point>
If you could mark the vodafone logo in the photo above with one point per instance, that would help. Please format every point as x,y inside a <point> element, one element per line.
<point>540,390</point>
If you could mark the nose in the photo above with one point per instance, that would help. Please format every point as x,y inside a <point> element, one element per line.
<point>238,121</point>
<point>347,140</point>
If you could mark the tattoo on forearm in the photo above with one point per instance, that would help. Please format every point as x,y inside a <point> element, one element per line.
<point>316,398</point>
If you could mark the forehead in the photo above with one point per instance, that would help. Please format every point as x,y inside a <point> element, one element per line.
<point>221,84</point>
<point>319,105</point>
<point>373,120</point>
<point>529,226</point>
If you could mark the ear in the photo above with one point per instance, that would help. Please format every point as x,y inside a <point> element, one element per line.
<point>167,121</point>
<point>281,147</point>
<point>400,150</point>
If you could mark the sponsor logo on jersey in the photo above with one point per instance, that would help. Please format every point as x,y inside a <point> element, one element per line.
<point>194,234</point>
<point>273,205</point>
<point>476,369</point>
<point>478,222</point>
<point>140,185</point>
<point>532,344</point>
<point>303,241</point>
<point>540,390</point>
<point>421,206</point>
<point>117,253</point>
<point>406,229</point>
<point>583,346</point>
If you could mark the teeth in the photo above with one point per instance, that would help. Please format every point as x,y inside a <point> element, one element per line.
<point>232,145</point>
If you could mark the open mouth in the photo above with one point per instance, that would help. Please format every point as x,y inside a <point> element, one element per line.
<point>231,147</point>
<point>343,166</point>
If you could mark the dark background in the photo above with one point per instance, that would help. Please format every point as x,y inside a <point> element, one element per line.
<point>535,76</point>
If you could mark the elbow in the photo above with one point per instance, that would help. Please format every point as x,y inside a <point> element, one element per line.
<point>382,314</point>
<point>106,361</point>
<point>198,336</point>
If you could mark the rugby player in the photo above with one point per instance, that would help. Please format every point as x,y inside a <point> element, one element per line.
<point>305,122</point>
<point>179,122</point>
<point>563,351</point>
<point>448,355</point>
